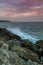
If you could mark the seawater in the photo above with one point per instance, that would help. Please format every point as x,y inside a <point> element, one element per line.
<point>26,30</point>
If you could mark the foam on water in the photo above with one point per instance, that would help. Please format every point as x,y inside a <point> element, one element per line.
<point>23,35</point>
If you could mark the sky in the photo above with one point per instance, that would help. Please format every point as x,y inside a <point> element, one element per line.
<point>21,10</point>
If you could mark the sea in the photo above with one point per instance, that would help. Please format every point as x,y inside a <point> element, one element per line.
<point>32,31</point>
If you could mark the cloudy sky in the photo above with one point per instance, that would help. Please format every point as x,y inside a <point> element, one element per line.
<point>21,10</point>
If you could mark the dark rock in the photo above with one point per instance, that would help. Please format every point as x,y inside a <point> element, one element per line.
<point>14,51</point>
<point>27,44</point>
<point>8,35</point>
<point>40,44</point>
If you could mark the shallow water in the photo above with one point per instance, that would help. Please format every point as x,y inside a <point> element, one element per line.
<point>26,30</point>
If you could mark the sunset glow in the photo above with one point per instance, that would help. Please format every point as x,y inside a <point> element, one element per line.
<point>21,9</point>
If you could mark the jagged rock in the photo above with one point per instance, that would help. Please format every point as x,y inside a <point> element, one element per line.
<point>14,51</point>
<point>26,54</point>
<point>10,58</point>
<point>13,42</point>
<point>4,57</point>
<point>3,45</point>
<point>8,35</point>
<point>15,59</point>
<point>40,44</point>
<point>28,44</point>
<point>1,38</point>
<point>35,49</point>
<point>33,56</point>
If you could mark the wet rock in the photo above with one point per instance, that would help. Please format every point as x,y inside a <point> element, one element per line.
<point>8,35</point>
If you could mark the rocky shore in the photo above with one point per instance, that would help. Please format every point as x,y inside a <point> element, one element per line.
<point>15,51</point>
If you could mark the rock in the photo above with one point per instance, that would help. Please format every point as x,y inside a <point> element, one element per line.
<point>13,42</point>
<point>31,55</point>
<point>40,44</point>
<point>19,50</point>
<point>14,51</point>
<point>4,57</point>
<point>1,38</point>
<point>3,45</point>
<point>15,59</point>
<point>8,35</point>
<point>41,59</point>
<point>26,54</point>
<point>35,49</point>
<point>10,58</point>
<point>31,63</point>
<point>27,44</point>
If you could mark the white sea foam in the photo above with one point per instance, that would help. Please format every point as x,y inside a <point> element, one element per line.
<point>23,35</point>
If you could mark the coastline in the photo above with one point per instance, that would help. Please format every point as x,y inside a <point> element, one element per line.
<point>15,43</point>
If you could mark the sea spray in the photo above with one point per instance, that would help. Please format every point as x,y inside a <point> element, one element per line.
<point>23,35</point>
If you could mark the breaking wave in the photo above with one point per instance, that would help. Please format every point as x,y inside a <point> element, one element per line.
<point>23,35</point>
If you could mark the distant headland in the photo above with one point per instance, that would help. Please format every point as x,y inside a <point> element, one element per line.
<point>5,21</point>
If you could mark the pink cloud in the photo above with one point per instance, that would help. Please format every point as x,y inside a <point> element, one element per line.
<point>21,8</point>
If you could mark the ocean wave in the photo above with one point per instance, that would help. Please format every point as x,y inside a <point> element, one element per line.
<point>23,35</point>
